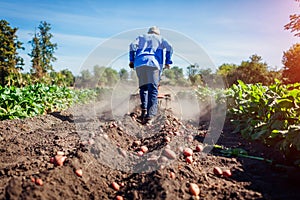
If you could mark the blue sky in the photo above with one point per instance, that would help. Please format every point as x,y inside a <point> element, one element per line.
<point>229,31</point>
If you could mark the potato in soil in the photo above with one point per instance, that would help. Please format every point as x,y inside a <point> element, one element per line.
<point>194,189</point>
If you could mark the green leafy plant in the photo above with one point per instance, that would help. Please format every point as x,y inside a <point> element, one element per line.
<point>39,99</point>
<point>270,114</point>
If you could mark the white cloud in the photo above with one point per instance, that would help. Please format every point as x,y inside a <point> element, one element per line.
<point>78,39</point>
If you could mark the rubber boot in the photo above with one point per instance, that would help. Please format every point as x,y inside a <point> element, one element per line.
<point>143,114</point>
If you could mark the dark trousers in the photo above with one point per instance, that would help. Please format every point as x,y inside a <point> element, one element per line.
<point>148,84</point>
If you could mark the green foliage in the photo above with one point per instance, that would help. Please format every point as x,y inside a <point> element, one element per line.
<point>225,69</point>
<point>39,99</point>
<point>62,78</point>
<point>270,114</point>
<point>291,61</point>
<point>252,71</point>
<point>174,76</point>
<point>110,76</point>
<point>101,77</point>
<point>36,59</point>
<point>105,76</point>
<point>68,77</point>
<point>206,94</point>
<point>193,74</point>
<point>84,95</point>
<point>42,54</point>
<point>10,62</point>
<point>84,79</point>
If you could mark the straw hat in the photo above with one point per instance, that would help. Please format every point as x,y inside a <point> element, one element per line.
<point>154,29</point>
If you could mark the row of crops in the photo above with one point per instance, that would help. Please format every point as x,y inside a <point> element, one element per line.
<point>270,114</point>
<point>39,99</point>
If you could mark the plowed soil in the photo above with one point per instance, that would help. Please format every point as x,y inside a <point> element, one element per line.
<point>109,153</point>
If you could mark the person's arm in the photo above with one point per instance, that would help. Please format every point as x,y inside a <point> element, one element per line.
<point>169,53</point>
<point>132,51</point>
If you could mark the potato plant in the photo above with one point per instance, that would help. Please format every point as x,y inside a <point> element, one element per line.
<point>39,99</point>
<point>270,114</point>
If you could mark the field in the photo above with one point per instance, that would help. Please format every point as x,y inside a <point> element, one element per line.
<point>106,150</point>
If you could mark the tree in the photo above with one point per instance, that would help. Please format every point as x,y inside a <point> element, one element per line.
<point>104,76</point>
<point>69,77</point>
<point>36,59</point>
<point>294,24</point>
<point>10,62</point>
<point>176,72</point>
<point>111,76</point>
<point>291,62</point>
<point>99,75</point>
<point>193,74</point>
<point>174,76</point>
<point>123,73</point>
<point>42,54</point>
<point>225,69</point>
<point>170,74</point>
<point>84,79</point>
<point>252,71</point>
<point>98,71</point>
<point>63,77</point>
<point>86,75</point>
<point>207,77</point>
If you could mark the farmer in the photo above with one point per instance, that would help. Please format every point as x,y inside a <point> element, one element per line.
<point>147,57</point>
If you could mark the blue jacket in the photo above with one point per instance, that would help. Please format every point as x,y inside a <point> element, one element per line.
<point>148,50</point>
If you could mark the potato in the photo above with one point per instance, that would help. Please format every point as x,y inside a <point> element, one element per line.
<point>188,152</point>
<point>59,160</point>
<point>172,175</point>
<point>199,148</point>
<point>144,149</point>
<point>32,179</point>
<point>226,173</point>
<point>140,153</point>
<point>119,197</point>
<point>194,189</point>
<point>189,159</point>
<point>52,160</point>
<point>217,171</point>
<point>167,139</point>
<point>39,181</point>
<point>115,186</point>
<point>78,172</point>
